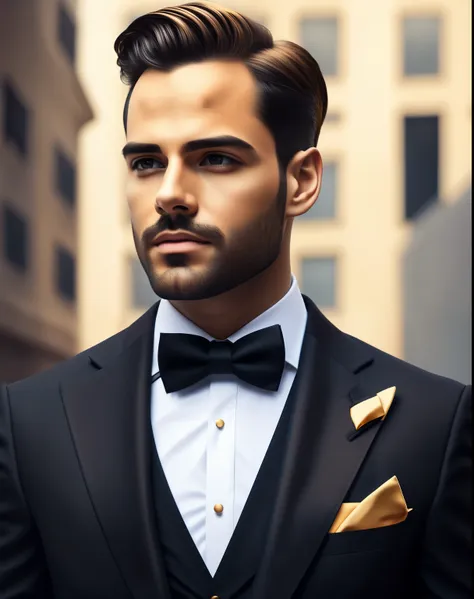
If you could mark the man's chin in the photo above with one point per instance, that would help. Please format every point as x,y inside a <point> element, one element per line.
<point>184,284</point>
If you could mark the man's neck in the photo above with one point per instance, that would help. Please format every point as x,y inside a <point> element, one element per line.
<point>223,315</point>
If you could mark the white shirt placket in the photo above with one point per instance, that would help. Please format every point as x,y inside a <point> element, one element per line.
<point>220,470</point>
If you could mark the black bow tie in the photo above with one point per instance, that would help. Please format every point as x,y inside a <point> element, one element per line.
<point>257,358</point>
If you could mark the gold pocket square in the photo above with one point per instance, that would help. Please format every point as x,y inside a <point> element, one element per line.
<point>383,507</point>
<point>372,408</point>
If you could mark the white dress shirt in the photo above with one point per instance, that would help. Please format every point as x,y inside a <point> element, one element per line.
<point>212,437</point>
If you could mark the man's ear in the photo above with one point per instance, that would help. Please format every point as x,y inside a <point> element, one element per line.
<point>304,175</point>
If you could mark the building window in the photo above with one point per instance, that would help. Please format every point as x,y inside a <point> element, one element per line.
<point>325,206</point>
<point>141,293</point>
<point>318,280</point>
<point>320,37</point>
<point>421,46</point>
<point>15,119</point>
<point>65,176</point>
<point>67,32</point>
<point>15,238</point>
<point>65,274</point>
<point>421,142</point>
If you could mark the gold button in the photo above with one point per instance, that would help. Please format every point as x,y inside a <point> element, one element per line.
<point>218,508</point>
<point>215,597</point>
<point>220,423</point>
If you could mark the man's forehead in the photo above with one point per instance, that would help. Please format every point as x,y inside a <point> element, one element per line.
<point>195,101</point>
<point>220,85</point>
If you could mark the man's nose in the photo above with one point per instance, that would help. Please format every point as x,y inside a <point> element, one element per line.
<point>174,194</point>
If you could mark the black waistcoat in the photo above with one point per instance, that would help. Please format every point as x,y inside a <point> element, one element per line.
<point>188,576</point>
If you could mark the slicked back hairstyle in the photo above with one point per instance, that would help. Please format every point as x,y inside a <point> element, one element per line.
<point>292,90</point>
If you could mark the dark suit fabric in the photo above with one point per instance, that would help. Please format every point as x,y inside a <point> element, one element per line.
<point>86,513</point>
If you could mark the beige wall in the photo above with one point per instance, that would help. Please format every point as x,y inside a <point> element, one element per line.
<point>31,312</point>
<point>369,234</point>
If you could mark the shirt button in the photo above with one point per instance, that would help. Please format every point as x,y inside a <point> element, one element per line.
<point>218,508</point>
<point>220,423</point>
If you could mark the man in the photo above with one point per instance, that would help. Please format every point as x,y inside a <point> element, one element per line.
<point>231,443</point>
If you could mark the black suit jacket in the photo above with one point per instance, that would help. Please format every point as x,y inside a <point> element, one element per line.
<point>76,509</point>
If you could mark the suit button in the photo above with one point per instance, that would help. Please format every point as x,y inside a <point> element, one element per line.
<point>218,508</point>
<point>215,597</point>
<point>220,423</point>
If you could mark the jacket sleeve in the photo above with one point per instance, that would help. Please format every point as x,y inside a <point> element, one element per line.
<point>23,573</point>
<point>446,568</point>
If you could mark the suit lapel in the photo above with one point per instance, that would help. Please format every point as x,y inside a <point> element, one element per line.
<point>109,416</point>
<point>322,459</point>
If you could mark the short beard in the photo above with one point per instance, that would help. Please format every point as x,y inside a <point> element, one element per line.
<point>248,253</point>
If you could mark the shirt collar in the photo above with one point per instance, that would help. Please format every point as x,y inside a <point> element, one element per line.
<point>290,313</point>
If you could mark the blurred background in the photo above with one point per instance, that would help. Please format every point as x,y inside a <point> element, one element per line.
<point>386,251</point>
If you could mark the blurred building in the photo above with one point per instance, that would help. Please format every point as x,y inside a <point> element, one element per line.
<point>42,108</point>
<point>397,137</point>
<point>438,290</point>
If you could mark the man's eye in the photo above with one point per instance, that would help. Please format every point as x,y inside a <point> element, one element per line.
<point>144,164</point>
<point>218,160</point>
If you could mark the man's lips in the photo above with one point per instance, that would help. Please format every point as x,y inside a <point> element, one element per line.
<point>169,243</point>
<point>177,237</point>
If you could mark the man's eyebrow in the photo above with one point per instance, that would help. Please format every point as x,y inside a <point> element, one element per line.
<point>217,142</point>
<point>133,147</point>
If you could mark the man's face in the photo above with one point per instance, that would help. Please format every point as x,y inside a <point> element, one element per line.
<point>208,181</point>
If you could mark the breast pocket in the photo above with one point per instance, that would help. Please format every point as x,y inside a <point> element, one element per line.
<point>386,538</point>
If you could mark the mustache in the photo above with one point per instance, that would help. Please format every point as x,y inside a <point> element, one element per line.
<point>182,222</point>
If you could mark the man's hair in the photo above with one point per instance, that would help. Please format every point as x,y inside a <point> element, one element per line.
<point>292,90</point>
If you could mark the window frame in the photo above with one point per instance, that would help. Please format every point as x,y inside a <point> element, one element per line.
<point>24,264</point>
<point>64,13</point>
<point>59,250</point>
<point>442,43</point>
<point>22,146</point>
<point>60,154</point>
<point>339,75</point>
<point>426,205</point>
<point>324,255</point>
